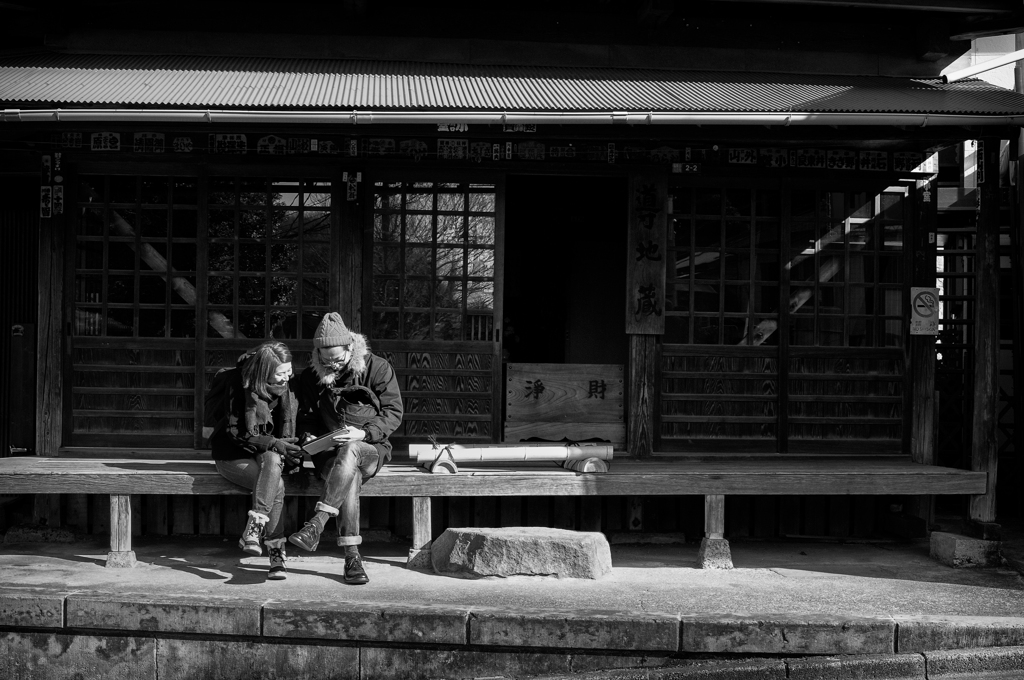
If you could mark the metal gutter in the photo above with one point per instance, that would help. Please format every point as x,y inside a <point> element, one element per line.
<point>355,117</point>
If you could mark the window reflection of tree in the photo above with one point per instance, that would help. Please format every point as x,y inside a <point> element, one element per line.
<point>442,280</point>
<point>836,239</point>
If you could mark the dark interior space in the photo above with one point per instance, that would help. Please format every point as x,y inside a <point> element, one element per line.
<point>565,270</point>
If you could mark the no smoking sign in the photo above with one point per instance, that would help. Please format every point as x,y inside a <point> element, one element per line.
<point>924,311</point>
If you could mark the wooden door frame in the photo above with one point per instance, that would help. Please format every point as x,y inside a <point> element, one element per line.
<point>380,172</point>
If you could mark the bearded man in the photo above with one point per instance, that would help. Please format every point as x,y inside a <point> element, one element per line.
<point>349,388</point>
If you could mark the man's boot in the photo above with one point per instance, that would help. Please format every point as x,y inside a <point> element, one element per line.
<point>354,572</point>
<point>308,537</point>
<point>254,528</point>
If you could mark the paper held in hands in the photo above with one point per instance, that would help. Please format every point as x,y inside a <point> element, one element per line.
<point>323,442</point>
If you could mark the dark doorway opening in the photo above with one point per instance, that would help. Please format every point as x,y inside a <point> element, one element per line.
<point>565,270</point>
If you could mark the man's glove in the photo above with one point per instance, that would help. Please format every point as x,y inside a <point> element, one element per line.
<point>289,450</point>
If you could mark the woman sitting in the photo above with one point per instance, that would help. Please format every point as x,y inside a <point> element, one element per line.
<point>254,437</point>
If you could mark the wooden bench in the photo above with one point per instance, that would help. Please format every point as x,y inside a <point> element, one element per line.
<point>713,477</point>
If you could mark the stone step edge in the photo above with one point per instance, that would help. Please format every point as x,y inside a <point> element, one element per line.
<point>473,626</point>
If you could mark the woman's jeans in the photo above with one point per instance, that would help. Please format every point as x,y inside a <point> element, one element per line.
<point>263,476</point>
<point>344,469</point>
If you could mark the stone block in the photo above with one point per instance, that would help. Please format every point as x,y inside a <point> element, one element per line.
<point>54,655</point>
<point>787,634</point>
<point>354,621</point>
<point>166,614</point>
<point>577,629</point>
<point>976,664</point>
<point>714,553</point>
<point>862,667</point>
<point>959,551</point>
<point>391,663</point>
<point>228,660</point>
<point>521,551</point>
<point>31,610</point>
<point>928,633</point>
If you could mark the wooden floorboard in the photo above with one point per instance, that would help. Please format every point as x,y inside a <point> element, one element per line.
<point>840,475</point>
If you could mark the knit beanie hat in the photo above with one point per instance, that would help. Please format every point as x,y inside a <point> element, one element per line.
<point>331,332</point>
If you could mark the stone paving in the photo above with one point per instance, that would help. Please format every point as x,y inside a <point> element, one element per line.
<point>200,608</point>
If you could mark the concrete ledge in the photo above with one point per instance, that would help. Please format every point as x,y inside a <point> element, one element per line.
<point>930,633</point>
<point>862,667</point>
<point>754,669</point>
<point>976,664</point>
<point>177,615</point>
<point>575,629</point>
<point>383,663</point>
<point>31,610</point>
<point>54,655</point>
<point>787,634</point>
<point>959,551</point>
<point>199,659</point>
<point>350,621</point>
<point>506,641</point>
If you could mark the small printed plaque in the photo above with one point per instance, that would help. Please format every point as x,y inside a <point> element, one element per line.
<point>105,141</point>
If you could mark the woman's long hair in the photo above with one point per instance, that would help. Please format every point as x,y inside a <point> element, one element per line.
<point>260,364</point>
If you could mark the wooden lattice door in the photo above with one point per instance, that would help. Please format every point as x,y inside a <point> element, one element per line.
<point>435,291</point>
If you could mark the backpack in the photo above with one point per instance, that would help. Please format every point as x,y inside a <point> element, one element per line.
<point>216,409</point>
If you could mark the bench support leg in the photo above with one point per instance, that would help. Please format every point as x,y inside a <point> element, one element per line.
<point>714,549</point>
<point>419,555</point>
<point>121,553</point>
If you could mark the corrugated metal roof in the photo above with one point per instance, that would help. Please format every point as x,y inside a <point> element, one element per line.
<point>172,81</point>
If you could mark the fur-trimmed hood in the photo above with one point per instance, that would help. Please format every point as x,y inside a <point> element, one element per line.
<point>356,365</point>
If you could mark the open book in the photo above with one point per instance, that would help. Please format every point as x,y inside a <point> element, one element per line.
<point>323,442</point>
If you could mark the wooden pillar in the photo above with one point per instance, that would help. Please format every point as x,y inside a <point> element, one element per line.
<point>714,516</point>
<point>921,350</point>
<point>419,554</point>
<point>921,362</point>
<point>642,396</point>
<point>714,552</point>
<point>348,288</point>
<point>121,553</point>
<point>50,330</point>
<point>984,449</point>
<point>645,304</point>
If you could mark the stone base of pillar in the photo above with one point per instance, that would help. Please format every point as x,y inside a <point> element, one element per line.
<point>958,551</point>
<point>714,554</point>
<point>121,559</point>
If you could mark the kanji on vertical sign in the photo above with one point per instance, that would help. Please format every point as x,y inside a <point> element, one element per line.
<point>645,267</point>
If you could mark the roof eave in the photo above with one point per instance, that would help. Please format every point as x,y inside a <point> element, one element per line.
<point>361,117</point>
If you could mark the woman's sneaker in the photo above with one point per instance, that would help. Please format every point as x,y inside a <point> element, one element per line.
<point>278,556</point>
<point>254,528</point>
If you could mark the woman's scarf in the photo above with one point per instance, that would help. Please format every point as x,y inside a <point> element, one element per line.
<point>258,411</point>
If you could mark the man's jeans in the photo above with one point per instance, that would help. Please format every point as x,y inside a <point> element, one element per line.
<point>263,476</point>
<point>344,469</point>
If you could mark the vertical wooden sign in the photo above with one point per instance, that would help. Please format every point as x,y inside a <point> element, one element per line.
<point>645,269</point>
